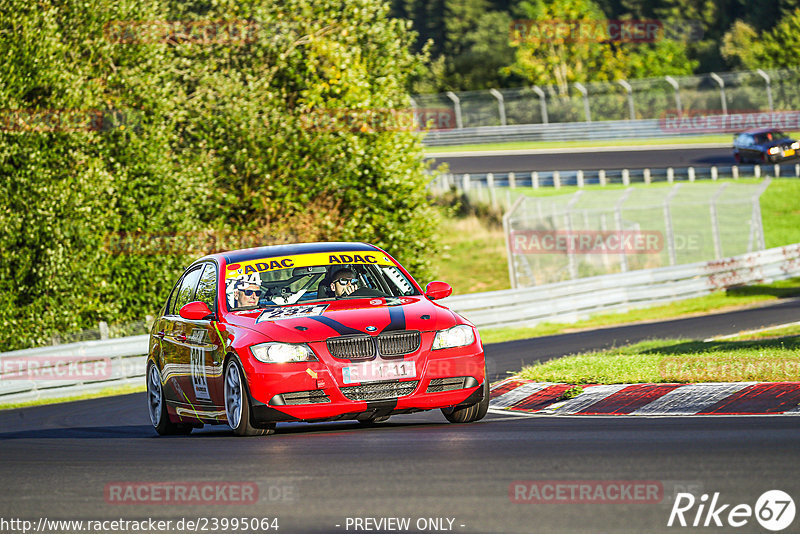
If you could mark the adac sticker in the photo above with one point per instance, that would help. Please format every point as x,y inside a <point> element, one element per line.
<point>244,268</point>
<point>291,312</point>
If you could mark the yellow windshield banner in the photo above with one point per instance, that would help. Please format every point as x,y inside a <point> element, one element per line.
<point>249,267</point>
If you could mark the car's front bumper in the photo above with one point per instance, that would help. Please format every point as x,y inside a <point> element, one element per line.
<point>314,391</point>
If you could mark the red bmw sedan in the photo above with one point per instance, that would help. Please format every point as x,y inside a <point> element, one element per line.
<point>308,332</point>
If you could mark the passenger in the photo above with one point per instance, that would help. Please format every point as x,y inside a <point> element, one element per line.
<point>344,283</point>
<point>244,292</point>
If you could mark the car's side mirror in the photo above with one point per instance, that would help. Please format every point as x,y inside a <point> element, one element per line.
<point>438,290</point>
<point>196,311</point>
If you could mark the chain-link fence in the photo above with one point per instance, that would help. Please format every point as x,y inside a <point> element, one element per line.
<point>653,98</point>
<point>589,233</point>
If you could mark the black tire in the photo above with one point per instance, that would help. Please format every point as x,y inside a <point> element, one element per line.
<point>157,406</point>
<point>473,412</point>
<point>237,403</point>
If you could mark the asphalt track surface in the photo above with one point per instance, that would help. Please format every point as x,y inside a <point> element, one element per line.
<point>587,159</point>
<point>55,461</point>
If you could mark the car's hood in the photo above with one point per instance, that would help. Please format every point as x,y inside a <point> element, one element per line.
<point>348,316</point>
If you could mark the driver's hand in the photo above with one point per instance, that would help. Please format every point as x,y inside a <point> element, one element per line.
<point>349,289</point>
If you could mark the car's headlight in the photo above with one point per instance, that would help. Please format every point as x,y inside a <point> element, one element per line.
<point>774,150</point>
<point>282,352</point>
<point>458,336</point>
<point>796,145</point>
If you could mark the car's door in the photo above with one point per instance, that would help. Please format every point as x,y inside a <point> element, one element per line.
<point>755,147</point>
<point>176,343</point>
<point>208,347</point>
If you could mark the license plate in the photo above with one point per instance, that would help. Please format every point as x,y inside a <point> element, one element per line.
<point>375,371</point>
<point>789,152</point>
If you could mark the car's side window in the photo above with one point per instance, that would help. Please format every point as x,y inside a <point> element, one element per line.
<point>207,287</point>
<point>171,299</point>
<point>185,294</point>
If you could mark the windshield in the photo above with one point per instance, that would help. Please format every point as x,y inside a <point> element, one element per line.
<point>269,282</point>
<point>774,135</point>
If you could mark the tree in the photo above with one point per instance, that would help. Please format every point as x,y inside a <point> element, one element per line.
<point>568,41</point>
<point>775,49</point>
<point>467,41</point>
<point>120,127</point>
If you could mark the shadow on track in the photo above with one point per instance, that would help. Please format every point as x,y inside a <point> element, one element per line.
<point>211,431</point>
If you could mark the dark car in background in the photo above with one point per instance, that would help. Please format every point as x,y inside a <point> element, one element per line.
<point>764,145</point>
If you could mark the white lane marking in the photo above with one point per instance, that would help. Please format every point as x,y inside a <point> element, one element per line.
<point>590,395</point>
<point>516,395</point>
<point>534,151</point>
<point>509,415</point>
<point>793,411</point>
<point>691,398</point>
<point>748,332</point>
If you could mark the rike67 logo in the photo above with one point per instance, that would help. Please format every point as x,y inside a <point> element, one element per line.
<point>774,510</point>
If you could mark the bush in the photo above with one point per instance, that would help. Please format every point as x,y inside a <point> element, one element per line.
<point>103,135</point>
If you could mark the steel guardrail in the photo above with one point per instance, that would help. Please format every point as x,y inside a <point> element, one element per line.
<point>559,131</point>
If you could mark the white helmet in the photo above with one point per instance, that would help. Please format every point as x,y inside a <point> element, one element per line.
<point>240,282</point>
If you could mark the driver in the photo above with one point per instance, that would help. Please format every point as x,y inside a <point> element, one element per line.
<point>344,283</point>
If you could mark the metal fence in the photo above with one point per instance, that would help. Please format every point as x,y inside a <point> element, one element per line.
<point>624,100</point>
<point>501,190</point>
<point>590,233</point>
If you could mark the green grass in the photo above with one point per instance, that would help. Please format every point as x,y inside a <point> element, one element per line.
<point>780,212</point>
<point>715,302</point>
<point>108,392</point>
<point>676,360</point>
<point>474,256</point>
<point>530,145</point>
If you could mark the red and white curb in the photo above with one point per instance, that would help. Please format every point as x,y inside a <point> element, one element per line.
<point>724,398</point>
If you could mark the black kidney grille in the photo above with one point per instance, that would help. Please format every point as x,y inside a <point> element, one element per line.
<point>352,347</point>
<point>399,343</point>
<point>379,390</point>
<point>364,347</point>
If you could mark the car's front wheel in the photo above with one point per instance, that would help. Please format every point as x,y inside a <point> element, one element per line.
<point>157,407</point>
<point>237,403</point>
<point>473,412</point>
